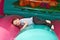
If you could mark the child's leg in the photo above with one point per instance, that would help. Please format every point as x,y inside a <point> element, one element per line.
<point>41,22</point>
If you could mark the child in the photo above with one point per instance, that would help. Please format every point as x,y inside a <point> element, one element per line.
<point>32,20</point>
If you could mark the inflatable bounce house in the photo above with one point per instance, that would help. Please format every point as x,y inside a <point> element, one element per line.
<point>43,9</point>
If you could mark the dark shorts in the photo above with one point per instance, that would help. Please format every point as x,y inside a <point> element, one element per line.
<point>38,21</point>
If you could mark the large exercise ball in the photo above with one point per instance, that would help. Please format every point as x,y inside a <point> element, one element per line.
<point>37,34</point>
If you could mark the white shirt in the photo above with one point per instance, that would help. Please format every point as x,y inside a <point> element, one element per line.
<point>29,21</point>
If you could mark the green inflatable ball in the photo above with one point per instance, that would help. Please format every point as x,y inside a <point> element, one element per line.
<point>37,32</point>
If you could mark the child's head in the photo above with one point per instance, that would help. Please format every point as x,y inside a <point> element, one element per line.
<point>16,22</point>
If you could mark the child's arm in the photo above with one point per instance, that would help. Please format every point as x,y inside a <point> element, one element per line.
<point>25,25</point>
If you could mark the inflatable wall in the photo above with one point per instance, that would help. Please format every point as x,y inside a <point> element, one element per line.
<point>11,7</point>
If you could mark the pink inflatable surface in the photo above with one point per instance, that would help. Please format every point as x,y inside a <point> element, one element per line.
<point>57,28</point>
<point>7,25</point>
<point>4,34</point>
<point>7,28</point>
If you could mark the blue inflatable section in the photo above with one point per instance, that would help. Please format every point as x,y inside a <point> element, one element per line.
<point>37,32</point>
<point>11,9</point>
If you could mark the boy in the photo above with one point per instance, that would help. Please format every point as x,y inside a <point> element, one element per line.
<point>32,20</point>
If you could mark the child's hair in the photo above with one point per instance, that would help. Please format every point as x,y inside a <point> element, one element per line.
<point>14,19</point>
<point>15,25</point>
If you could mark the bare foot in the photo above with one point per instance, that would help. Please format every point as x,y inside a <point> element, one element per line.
<point>48,21</point>
<point>52,27</point>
